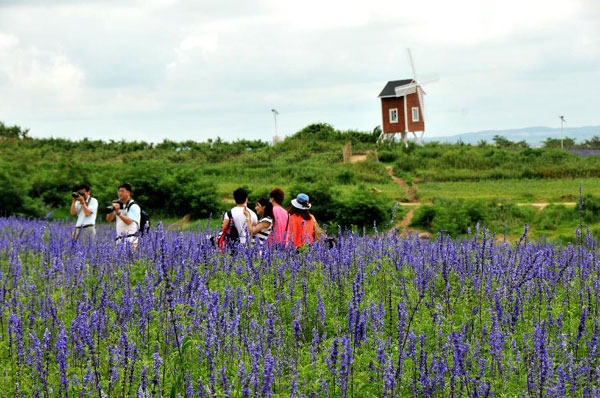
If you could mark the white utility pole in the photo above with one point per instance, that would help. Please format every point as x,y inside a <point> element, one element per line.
<point>276,138</point>
<point>562,121</point>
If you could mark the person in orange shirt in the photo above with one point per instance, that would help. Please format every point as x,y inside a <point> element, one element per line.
<point>302,227</point>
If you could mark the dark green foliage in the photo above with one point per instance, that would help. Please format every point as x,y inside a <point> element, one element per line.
<point>14,199</point>
<point>556,143</point>
<point>363,208</point>
<point>405,162</point>
<point>387,155</point>
<point>457,216</point>
<point>590,210</point>
<point>325,132</point>
<point>255,194</point>
<point>592,143</point>
<point>503,142</point>
<point>359,207</point>
<point>322,199</point>
<point>553,216</point>
<point>346,177</point>
<point>15,132</point>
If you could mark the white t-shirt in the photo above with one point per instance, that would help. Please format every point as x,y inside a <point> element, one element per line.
<point>239,219</point>
<point>134,213</point>
<point>82,219</point>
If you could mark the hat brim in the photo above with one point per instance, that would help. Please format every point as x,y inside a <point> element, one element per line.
<point>299,205</point>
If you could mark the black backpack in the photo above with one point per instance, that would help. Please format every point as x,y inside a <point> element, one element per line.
<point>144,218</point>
<point>230,235</point>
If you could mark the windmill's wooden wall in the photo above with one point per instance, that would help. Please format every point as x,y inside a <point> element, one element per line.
<point>390,103</point>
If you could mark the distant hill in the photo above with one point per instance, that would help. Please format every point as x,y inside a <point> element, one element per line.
<point>533,135</point>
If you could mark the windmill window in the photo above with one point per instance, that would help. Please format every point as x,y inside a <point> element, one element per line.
<point>394,115</point>
<point>415,114</point>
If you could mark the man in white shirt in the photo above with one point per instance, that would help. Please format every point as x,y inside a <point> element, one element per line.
<point>127,213</point>
<point>240,214</point>
<point>86,209</point>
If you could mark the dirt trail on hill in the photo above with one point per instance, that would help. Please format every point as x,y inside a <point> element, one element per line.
<point>410,191</point>
<point>358,158</point>
<point>403,223</point>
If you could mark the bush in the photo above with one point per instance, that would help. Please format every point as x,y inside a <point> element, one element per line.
<point>14,200</point>
<point>405,162</point>
<point>388,155</point>
<point>456,216</point>
<point>198,198</point>
<point>363,208</point>
<point>590,211</point>
<point>553,215</point>
<point>346,177</point>
<point>509,214</point>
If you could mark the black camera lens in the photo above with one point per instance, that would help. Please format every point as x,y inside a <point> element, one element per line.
<point>75,194</point>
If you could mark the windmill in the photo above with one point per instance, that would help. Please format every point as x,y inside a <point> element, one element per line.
<point>403,107</point>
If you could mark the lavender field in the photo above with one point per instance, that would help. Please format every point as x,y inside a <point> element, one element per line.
<point>376,316</point>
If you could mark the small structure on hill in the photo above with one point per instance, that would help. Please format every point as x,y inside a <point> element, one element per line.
<point>402,108</point>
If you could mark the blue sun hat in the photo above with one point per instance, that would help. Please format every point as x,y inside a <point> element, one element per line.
<point>301,202</point>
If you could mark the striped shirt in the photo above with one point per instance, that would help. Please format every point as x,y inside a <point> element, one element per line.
<point>263,235</point>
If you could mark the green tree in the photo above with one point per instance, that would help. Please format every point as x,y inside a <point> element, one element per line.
<point>13,131</point>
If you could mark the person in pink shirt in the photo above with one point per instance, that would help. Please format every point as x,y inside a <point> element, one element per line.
<point>281,217</point>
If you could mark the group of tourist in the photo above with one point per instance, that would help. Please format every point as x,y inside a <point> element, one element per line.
<point>271,224</point>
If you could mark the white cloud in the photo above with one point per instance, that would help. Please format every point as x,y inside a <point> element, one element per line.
<point>31,73</point>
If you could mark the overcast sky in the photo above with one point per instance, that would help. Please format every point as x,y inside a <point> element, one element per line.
<point>156,69</point>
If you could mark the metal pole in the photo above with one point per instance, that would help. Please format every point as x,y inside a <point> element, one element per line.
<point>562,119</point>
<point>275,117</point>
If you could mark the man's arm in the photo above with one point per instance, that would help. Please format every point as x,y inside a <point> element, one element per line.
<point>123,217</point>
<point>111,216</point>
<point>73,209</point>
<point>134,211</point>
<point>86,209</point>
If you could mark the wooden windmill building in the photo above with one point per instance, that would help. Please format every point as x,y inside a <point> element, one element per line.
<point>402,110</point>
<point>402,107</point>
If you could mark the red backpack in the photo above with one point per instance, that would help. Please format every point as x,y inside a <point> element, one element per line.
<point>230,235</point>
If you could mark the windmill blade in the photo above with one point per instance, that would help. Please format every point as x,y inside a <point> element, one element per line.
<point>429,78</point>
<point>420,92</point>
<point>412,64</point>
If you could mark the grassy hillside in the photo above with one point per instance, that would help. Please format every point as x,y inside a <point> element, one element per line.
<point>174,179</point>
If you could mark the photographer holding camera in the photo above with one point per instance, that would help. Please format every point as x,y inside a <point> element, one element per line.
<point>86,208</point>
<point>127,213</point>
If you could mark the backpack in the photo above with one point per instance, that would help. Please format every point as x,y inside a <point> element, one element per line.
<point>230,234</point>
<point>144,218</point>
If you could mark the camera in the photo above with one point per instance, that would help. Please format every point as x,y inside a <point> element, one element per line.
<point>111,208</point>
<point>76,194</point>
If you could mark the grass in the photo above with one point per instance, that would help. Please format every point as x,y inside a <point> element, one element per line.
<point>522,190</point>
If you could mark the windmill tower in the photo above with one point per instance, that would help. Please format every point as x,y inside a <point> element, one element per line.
<point>402,107</point>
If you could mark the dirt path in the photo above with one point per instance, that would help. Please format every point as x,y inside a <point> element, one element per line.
<point>410,191</point>
<point>357,158</point>
<point>404,223</point>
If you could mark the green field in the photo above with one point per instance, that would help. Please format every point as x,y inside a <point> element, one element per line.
<point>173,180</point>
<point>522,190</point>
